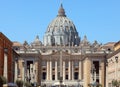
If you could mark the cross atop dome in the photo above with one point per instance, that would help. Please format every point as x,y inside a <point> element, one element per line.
<point>61,11</point>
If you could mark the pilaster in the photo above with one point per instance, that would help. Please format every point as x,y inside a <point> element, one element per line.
<point>80,70</point>
<point>50,70</point>
<point>5,66</point>
<point>63,70</point>
<point>56,71</point>
<point>69,69</point>
<point>72,70</point>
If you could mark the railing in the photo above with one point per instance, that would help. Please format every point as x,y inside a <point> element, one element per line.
<point>66,82</point>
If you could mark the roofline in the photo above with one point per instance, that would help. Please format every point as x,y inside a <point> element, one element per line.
<point>117,43</point>
<point>114,53</point>
<point>1,34</point>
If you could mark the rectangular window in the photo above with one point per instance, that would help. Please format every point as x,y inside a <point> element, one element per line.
<point>76,63</point>
<point>44,75</point>
<point>53,64</point>
<point>53,77</point>
<point>44,63</point>
<point>66,64</point>
<point>66,77</point>
<point>76,75</point>
<point>96,66</point>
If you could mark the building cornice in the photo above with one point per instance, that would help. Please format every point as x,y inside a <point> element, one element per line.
<point>114,53</point>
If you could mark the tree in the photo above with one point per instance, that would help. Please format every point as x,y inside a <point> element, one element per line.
<point>2,81</point>
<point>19,83</point>
<point>27,84</point>
<point>115,83</point>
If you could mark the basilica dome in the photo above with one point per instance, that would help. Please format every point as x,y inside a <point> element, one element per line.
<point>61,31</point>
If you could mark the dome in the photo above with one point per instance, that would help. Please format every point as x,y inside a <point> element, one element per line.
<point>61,31</point>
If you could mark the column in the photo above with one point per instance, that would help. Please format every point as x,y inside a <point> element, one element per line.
<point>56,71</point>
<point>16,70</point>
<point>107,76</point>
<point>87,68</point>
<point>5,72</point>
<point>100,72</point>
<point>50,70</point>
<point>69,69</point>
<point>61,65</point>
<point>72,70</point>
<point>23,70</point>
<point>63,70</point>
<point>48,67</point>
<point>80,70</point>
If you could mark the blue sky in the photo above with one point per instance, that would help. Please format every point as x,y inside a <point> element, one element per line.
<point>22,20</point>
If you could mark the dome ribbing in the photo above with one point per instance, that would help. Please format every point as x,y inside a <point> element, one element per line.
<point>61,31</point>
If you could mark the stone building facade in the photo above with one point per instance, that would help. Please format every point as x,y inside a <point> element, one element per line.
<point>76,65</point>
<point>113,66</point>
<point>28,65</point>
<point>64,57</point>
<point>7,55</point>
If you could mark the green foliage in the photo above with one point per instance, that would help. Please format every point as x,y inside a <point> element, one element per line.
<point>119,82</point>
<point>27,84</point>
<point>2,81</point>
<point>99,85</point>
<point>19,83</point>
<point>115,83</point>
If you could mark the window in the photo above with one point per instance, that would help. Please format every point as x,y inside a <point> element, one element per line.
<point>76,75</point>
<point>66,64</point>
<point>53,64</point>
<point>96,65</point>
<point>53,77</point>
<point>44,75</point>
<point>76,63</point>
<point>66,77</point>
<point>44,63</point>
